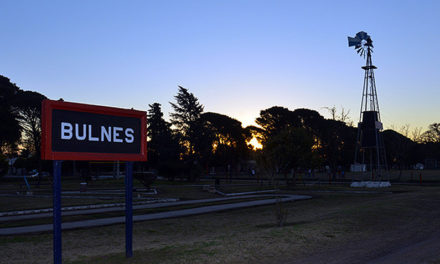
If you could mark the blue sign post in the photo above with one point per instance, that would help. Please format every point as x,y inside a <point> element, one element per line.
<point>57,256</point>
<point>129,209</point>
<point>57,245</point>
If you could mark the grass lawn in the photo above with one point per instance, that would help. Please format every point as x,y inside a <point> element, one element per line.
<point>329,221</point>
<point>72,218</point>
<point>25,202</point>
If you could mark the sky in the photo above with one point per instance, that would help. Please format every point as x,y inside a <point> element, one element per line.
<point>237,57</point>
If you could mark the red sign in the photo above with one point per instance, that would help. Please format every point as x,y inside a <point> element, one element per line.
<point>72,131</point>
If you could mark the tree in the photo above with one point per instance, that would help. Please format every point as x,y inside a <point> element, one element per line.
<point>274,119</point>
<point>431,142</point>
<point>277,118</point>
<point>343,117</point>
<point>252,131</point>
<point>398,149</point>
<point>416,135</point>
<point>28,107</point>
<point>162,143</point>
<point>226,139</point>
<point>10,129</point>
<point>186,118</point>
<point>336,143</point>
<point>333,139</point>
<point>432,135</point>
<point>289,149</point>
<point>4,165</point>
<point>307,119</point>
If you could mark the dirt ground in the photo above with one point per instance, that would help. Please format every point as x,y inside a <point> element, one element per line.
<point>400,227</point>
<point>406,230</point>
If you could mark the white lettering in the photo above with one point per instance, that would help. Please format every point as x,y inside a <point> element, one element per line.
<point>129,138</point>
<point>106,133</point>
<point>77,132</point>
<point>66,130</point>
<point>116,131</point>
<point>92,138</point>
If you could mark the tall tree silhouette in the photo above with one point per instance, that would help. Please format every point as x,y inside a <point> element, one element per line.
<point>163,146</point>
<point>186,118</point>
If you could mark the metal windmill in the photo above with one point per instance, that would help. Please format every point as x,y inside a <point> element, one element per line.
<point>370,149</point>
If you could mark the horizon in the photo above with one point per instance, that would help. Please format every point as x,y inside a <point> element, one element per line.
<point>237,58</point>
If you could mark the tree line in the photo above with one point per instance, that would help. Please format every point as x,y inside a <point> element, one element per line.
<point>194,141</point>
<point>292,140</point>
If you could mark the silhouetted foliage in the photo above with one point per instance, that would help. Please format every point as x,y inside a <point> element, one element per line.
<point>274,119</point>
<point>430,147</point>
<point>289,149</point>
<point>28,107</point>
<point>227,145</point>
<point>398,149</point>
<point>3,165</point>
<point>336,143</point>
<point>163,145</point>
<point>333,140</point>
<point>432,135</point>
<point>10,130</point>
<point>307,119</point>
<point>254,131</point>
<point>186,119</point>
<point>194,140</point>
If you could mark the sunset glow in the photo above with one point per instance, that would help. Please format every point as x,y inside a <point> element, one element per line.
<point>255,144</point>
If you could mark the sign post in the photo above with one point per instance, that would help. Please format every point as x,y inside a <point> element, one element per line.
<point>129,209</point>
<point>72,131</point>
<point>57,245</point>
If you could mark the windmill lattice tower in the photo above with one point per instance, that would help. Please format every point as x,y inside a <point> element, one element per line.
<point>370,150</point>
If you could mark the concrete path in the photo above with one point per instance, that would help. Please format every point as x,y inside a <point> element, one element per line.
<point>82,209</point>
<point>155,216</point>
<point>120,207</point>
